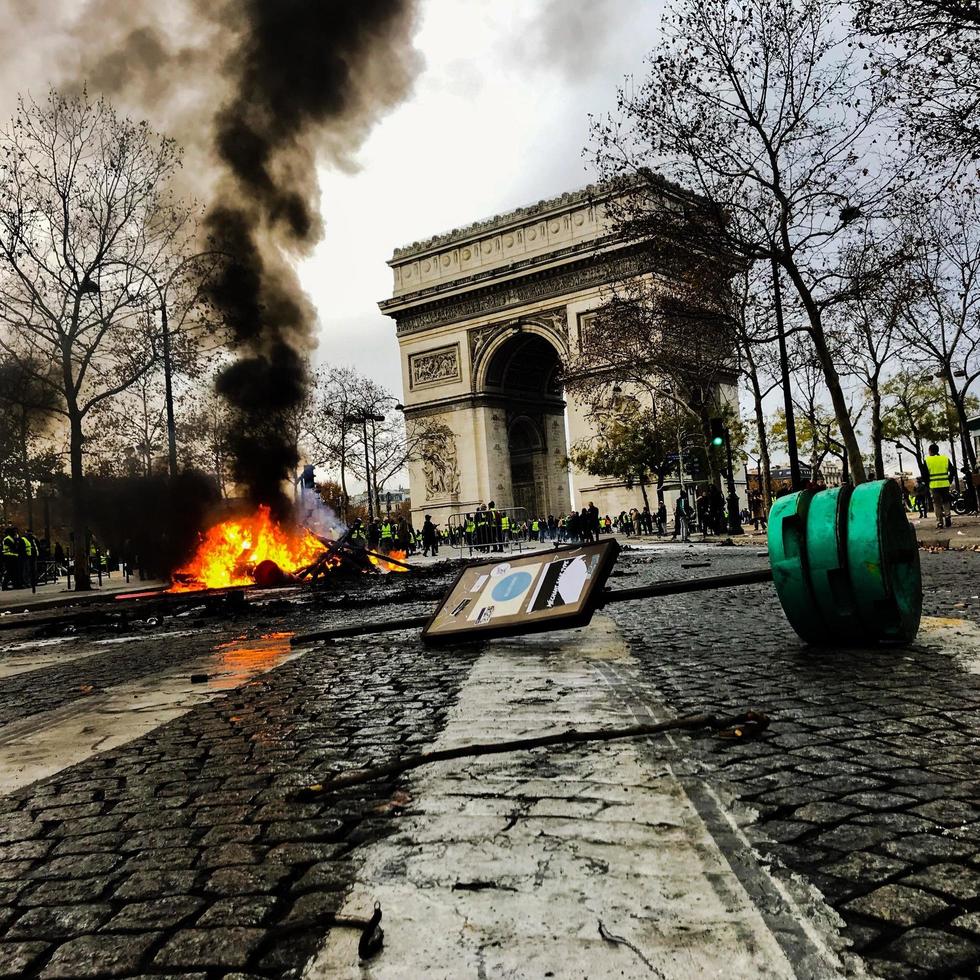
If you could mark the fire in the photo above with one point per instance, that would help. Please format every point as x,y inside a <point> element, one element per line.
<point>229,552</point>
<point>387,566</point>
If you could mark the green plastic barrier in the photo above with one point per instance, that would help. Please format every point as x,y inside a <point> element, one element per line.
<point>827,559</point>
<point>788,557</point>
<point>883,563</point>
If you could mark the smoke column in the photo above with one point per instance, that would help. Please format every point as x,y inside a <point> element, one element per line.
<point>257,91</point>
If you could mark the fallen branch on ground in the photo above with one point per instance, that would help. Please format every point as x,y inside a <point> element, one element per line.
<point>619,941</point>
<point>748,722</point>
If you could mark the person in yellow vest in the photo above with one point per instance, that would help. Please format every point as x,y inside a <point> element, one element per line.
<point>29,575</point>
<point>504,528</point>
<point>387,536</point>
<point>938,466</point>
<point>357,535</point>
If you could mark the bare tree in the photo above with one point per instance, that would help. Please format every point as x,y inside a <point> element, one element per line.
<point>753,319</point>
<point>26,411</point>
<point>674,337</point>
<point>932,49</point>
<point>331,427</point>
<point>865,326</point>
<point>941,301</point>
<point>767,114</point>
<point>204,432</point>
<point>84,206</point>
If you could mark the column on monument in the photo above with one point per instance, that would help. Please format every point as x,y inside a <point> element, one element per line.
<point>491,455</point>
<point>552,465</point>
<point>499,481</point>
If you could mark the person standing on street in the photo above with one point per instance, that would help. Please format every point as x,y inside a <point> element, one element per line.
<point>429,538</point>
<point>938,466</point>
<point>11,560</point>
<point>682,517</point>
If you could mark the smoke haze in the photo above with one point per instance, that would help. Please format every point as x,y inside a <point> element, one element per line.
<point>256,91</point>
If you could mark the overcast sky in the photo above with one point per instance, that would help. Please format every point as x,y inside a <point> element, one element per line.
<point>498,119</point>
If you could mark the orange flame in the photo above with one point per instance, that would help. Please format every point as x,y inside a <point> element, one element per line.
<point>387,566</point>
<point>229,551</point>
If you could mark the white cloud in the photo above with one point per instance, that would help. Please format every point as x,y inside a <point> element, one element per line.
<point>498,119</point>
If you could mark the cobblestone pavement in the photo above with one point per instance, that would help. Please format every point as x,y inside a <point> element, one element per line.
<point>867,782</point>
<point>176,853</point>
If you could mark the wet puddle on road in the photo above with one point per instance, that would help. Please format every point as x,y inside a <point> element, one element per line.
<point>47,742</point>
<point>241,659</point>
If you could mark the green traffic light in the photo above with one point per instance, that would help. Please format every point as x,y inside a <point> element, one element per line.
<point>717,441</point>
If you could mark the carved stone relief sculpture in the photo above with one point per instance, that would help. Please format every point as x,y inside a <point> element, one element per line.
<point>435,367</point>
<point>440,464</point>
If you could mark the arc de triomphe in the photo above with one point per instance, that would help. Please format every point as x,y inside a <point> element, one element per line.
<point>483,316</point>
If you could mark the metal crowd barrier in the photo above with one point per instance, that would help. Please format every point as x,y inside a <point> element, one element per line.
<point>488,538</point>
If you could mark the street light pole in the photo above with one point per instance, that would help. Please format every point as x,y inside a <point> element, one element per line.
<point>168,389</point>
<point>367,470</point>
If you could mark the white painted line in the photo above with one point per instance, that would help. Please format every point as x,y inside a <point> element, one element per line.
<point>545,844</point>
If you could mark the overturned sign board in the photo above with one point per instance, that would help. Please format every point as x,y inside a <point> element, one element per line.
<point>543,591</point>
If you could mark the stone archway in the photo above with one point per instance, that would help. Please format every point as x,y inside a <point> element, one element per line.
<point>521,375</point>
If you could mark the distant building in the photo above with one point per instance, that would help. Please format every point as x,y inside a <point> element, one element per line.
<point>389,498</point>
<point>781,476</point>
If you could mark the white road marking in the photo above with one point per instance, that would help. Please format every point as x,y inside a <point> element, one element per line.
<point>546,844</point>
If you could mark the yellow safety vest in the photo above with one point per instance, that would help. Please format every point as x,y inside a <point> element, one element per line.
<point>470,527</point>
<point>505,523</point>
<point>386,530</point>
<point>938,471</point>
<point>535,526</point>
<point>9,547</point>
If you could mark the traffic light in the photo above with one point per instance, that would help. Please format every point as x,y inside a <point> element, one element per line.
<point>717,432</point>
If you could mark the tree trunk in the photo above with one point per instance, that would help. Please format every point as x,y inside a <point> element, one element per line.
<point>83,581</point>
<point>831,378</point>
<point>760,428</point>
<point>876,438</point>
<point>344,497</point>
<point>643,490</point>
<point>970,458</point>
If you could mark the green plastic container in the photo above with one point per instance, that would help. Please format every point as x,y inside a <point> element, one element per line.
<point>883,563</point>
<point>826,548</point>
<point>790,573</point>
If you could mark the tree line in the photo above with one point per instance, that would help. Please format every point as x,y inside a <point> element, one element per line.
<point>811,166</point>
<point>105,309</point>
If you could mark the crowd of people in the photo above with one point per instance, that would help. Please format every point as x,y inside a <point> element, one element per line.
<point>29,561</point>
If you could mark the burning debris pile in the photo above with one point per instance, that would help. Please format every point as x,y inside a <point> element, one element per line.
<point>259,550</point>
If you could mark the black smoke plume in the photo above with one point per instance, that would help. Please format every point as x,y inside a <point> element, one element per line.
<point>297,71</point>
<point>258,91</point>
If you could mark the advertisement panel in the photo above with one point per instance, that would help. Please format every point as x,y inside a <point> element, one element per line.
<point>543,591</point>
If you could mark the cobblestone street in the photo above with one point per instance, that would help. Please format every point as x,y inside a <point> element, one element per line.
<point>146,826</point>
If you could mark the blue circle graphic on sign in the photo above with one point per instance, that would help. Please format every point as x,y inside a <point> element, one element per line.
<point>511,587</point>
